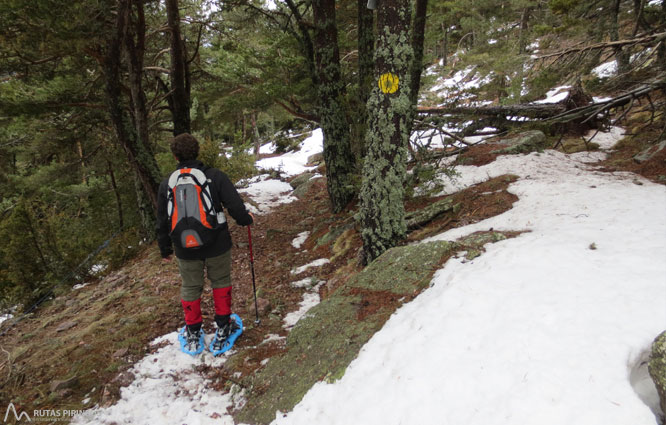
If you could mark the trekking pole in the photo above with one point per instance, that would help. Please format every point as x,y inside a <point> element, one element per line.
<point>254,286</point>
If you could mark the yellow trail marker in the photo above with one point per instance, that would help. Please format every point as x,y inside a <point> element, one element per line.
<point>388,83</point>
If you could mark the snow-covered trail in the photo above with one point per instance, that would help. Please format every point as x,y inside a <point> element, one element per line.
<point>540,329</point>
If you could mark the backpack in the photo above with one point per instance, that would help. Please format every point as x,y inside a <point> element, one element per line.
<point>193,219</point>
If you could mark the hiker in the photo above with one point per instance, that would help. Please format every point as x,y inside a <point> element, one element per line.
<point>191,219</point>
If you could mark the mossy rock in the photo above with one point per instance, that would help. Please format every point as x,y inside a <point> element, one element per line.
<point>650,152</point>
<point>578,145</point>
<point>315,159</point>
<point>657,368</point>
<point>529,141</point>
<point>304,188</point>
<point>333,234</point>
<point>297,181</point>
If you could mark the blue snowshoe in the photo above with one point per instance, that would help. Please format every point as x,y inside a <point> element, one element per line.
<point>191,343</point>
<point>226,336</point>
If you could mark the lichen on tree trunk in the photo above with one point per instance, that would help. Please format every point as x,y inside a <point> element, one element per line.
<point>382,211</point>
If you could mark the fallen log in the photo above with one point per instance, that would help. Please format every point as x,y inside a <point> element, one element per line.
<point>416,219</point>
<point>526,110</point>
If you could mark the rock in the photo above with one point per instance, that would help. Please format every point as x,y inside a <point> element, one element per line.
<point>657,368</point>
<point>333,234</point>
<point>65,384</point>
<point>303,189</point>
<point>123,379</point>
<point>65,393</point>
<point>121,352</point>
<point>649,153</point>
<point>65,326</point>
<point>416,219</point>
<point>528,141</point>
<point>297,181</point>
<point>264,306</point>
<point>315,159</point>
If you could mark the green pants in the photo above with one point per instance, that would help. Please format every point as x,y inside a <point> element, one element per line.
<point>192,272</point>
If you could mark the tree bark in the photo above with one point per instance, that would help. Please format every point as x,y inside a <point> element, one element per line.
<point>256,141</point>
<point>445,45</point>
<point>139,154</point>
<point>116,192</point>
<point>366,68</point>
<point>180,94</point>
<point>337,147</point>
<point>661,54</point>
<point>418,39</point>
<point>621,56</point>
<point>524,25</point>
<point>382,212</point>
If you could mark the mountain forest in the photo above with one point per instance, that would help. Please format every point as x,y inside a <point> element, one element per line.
<point>92,92</point>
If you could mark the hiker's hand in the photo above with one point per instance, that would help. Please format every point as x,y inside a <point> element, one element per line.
<point>254,220</point>
<point>166,260</point>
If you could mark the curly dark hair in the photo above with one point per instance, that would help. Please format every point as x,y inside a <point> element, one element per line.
<point>185,147</point>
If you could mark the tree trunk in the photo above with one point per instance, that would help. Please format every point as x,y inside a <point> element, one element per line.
<point>661,55</point>
<point>338,155</point>
<point>139,154</point>
<point>366,68</point>
<point>445,45</point>
<point>256,141</point>
<point>382,212</point>
<point>180,94</point>
<point>418,39</point>
<point>621,56</point>
<point>524,25</point>
<point>116,192</point>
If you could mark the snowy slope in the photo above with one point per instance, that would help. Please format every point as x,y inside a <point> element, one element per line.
<point>541,329</point>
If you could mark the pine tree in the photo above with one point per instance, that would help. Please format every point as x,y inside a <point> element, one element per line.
<point>381,199</point>
<point>338,155</point>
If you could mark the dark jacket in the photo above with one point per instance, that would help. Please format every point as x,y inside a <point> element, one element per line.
<point>223,193</point>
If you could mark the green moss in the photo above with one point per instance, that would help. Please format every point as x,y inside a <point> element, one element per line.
<point>657,368</point>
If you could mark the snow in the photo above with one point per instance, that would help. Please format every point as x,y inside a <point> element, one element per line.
<point>294,163</point>
<point>303,283</point>
<point>539,329</point>
<point>267,193</point>
<point>316,263</point>
<point>167,390</point>
<point>4,317</point>
<point>300,239</point>
<point>555,95</point>
<point>310,299</point>
<point>605,70</point>
<point>608,139</point>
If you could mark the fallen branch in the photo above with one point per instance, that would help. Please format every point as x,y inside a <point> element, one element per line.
<point>588,112</point>
<point>528,110</point>
<point>607,45</point>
